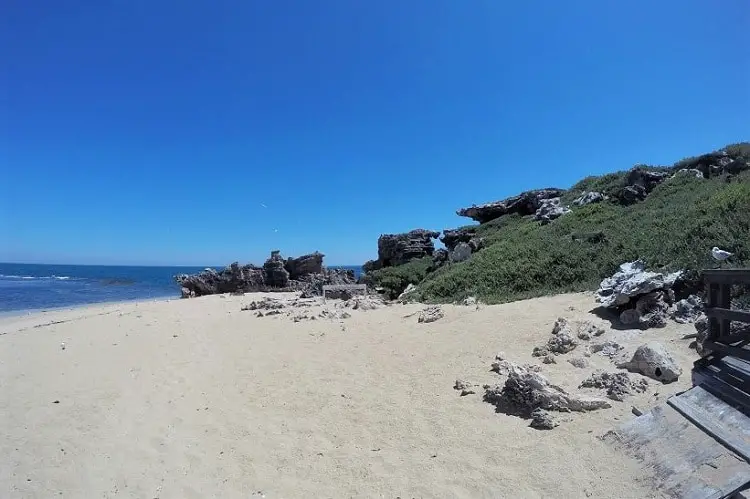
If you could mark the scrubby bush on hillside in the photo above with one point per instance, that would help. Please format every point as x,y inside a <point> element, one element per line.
<point>674,228</point>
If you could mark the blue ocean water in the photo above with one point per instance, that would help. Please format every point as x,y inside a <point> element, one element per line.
<point>38,287</point>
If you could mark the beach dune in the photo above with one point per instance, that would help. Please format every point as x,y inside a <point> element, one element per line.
<point>196,398</point>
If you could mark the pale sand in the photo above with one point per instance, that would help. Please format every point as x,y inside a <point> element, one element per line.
<point>194,398</point>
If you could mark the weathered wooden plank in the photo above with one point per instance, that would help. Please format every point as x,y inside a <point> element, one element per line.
<point>723,382</point>
<point>727,314</point>
<point>717,418</point>
<point>724,349</point>
<point>728,276</point>
<point>683,460</point>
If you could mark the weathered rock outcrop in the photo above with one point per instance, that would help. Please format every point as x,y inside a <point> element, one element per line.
<point>642,297</point>
<point>550,209</point>
<point>638,183</point>
<point>304,265</point>
<point>460,253</point>
<point>589,197</point>
<point>451,237</point>
<point>716,163</point>
<point>526,390</point>
<point>312,284</point>
<point>309,273</point>
<point>276,275</point>
<point>397,249</point>
<point>688,309</point>
<point>233,278</point>
<point>526,203</point>
<point>618,385</point>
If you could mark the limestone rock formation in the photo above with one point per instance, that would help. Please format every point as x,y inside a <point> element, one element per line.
<point>618,385</point>
<point>543,420</point>
<point>527,390</point>
<point>460,253</point>
<point>304,265</point>
<point>397,249</point>
<point>716,163</point>
<point>312,284</point>
<point>589,197</point>
<point>632,280</point>
<point>550,209</point>
<point>275,273</point>
<point>638,183</point>
<point>526,203</point>
<point>451,237</point>
<point>232,278</point>
<point>688,309</point>
<point>653,360</point>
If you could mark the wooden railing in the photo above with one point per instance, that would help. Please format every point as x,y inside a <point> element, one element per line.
<point>720,341</point>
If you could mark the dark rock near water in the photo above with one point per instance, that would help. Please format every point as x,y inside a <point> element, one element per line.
<point>233,278</point>
<point>304,265</point>
<point>526,203</point>
<point>276,275</point>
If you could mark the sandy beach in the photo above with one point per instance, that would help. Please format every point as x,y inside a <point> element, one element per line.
<point>196,398</point>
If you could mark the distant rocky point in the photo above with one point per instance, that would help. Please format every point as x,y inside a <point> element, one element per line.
<point>305,273</point>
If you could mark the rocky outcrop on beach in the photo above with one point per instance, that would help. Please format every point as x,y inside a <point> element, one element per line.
<point>526,203</point>
<point>643,298</point>
<point>306,274</point>
<point>312,284</point>
<point>276,275</point>
<point>526,390</point>
<point>304,265</point>
<point>232,278</point>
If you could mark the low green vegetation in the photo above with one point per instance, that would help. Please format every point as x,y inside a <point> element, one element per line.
<point>395,279</point>
<point>674,228</point>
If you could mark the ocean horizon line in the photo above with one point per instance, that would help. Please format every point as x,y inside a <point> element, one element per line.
<point>3,262</point>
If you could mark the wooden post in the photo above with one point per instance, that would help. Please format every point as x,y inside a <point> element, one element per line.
<point>713,301</point>
<point>724,301</point>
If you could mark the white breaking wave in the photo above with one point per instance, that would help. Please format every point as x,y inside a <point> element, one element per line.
<point>28,277</point>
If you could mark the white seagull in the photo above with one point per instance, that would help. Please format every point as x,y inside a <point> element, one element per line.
<point>720,254</point>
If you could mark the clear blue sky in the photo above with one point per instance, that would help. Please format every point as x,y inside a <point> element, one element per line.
<point>153,132</point>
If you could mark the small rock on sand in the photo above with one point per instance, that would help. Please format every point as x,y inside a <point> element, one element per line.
<point>579,362</point>
<point>464,387</point>
<point>653,360</point>
<point>430,314</point>
<point>618,385</point>
<point>543,420</point>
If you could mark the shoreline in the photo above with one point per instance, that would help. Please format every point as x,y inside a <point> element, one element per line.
<point>69,308</point>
